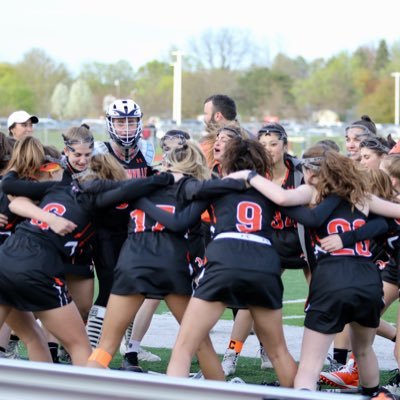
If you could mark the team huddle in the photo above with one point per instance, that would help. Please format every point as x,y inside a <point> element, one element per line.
<point>214,225</point>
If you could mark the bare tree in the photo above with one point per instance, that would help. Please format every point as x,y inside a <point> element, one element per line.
<point>227,48</point>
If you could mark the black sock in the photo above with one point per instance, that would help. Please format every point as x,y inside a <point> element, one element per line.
<point>394,339</point>
<point>369,391</point>
<point>14,337</point>
<point>340,355</point>
<point>53,347</point>
<point>2,349</point>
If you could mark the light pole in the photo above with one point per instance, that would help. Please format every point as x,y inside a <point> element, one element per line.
<point>177,93</point>
<point>117,87</point>
<point>396,76</point>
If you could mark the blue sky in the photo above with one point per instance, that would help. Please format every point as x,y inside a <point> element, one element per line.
<point>79,31</point>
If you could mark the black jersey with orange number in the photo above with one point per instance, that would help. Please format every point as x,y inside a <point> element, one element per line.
<point>344,218</point>
<point>117,217</point>
<point>70,203</point>
<point>244,212</point>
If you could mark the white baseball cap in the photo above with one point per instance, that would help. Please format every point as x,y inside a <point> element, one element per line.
<point>19,117</point>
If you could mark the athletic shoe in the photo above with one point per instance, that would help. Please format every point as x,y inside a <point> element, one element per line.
<point>12,350</point>
<point>63,356</point>
<point>196,375</point>
<point>394,383</point>
<point>131,364</point>
<point>236,379</point>
<point>345,378</point>
<point>333,365</point>
<point>229,362</point>
<point>383,394</point>
<point>265,361</point>
<point>145,355</point>
<point>2,354</point>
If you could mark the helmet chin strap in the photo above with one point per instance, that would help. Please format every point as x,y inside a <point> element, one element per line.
<point>123,153</point>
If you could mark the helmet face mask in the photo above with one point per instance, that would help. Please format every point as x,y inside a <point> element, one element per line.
<point>124,123</point>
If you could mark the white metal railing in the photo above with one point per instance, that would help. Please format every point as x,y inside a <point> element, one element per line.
<point>30,381</point>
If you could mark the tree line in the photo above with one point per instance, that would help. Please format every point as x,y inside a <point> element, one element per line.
<point>224,61</point>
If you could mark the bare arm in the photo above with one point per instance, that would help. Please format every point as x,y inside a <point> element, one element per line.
<point>25,208</point>
<point>384,207</point>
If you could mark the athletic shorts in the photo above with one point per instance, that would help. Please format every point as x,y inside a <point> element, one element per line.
<point>31,274</point>
<point>344,290</point>
<point>286,242</point>
<point>240,274</point>
<point>154,265</point>
<point>85,271</point>
<point>390,273</point>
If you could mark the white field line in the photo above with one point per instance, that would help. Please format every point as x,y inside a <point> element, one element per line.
<point>294,301</point>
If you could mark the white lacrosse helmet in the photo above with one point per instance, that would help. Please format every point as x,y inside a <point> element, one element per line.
<point>124,123</point>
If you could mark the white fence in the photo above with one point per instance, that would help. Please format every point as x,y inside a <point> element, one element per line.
<point>34,381</point>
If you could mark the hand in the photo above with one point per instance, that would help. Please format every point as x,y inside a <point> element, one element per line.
<point>3,220</point>
<point>239,174</point>
<point>331,243</point>
<point>61,225</point>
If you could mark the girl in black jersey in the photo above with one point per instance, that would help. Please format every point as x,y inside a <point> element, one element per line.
<point>23,323</point>
<point>286,172</point>
<point>33,255</point>
<point>231,277</point>
<point>154,263</point>
<point>355,294</point>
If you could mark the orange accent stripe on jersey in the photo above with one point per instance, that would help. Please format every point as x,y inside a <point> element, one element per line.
<point>205,217</point>
<point>58,281</point>
<point>101,357</point>
<point>82,232</point>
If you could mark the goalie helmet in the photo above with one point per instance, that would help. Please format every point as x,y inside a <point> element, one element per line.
<point>124,123</point>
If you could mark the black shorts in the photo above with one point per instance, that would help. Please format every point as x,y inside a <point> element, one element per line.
<point>154,265</point>
<point>81,270</point>
<point>390,273</point>
<point>286,242</point>
<point>240,274</point>
<point>31,274</point>
<point>343,290</point>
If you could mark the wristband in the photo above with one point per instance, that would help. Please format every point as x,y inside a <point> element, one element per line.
<point>101,357</point>
<point>251,175</point>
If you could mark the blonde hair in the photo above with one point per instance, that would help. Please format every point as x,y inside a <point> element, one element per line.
<point>391,163</point>
<point>188,160</point>
<point>27,157</point>
<point>380,184</point>
<point>104,166</point>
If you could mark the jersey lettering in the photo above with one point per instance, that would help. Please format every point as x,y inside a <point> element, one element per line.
<point>340,225</point>
<point>136,173</point>
<point>279,223</point>
<point>73,245</point>
<point>157,227</point>
<point>139,218</point>
<point>249,217</point>
<point>55,208</point>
